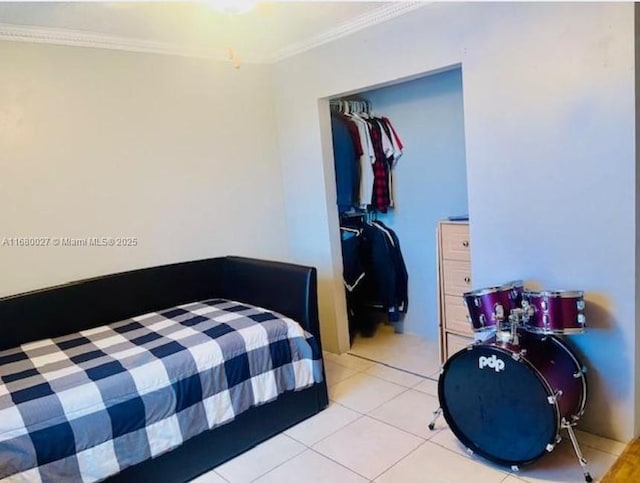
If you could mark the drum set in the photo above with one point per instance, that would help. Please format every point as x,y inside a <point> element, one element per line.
<point>508,396</point>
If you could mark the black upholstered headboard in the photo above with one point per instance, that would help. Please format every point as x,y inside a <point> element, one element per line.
<point>282,287</point>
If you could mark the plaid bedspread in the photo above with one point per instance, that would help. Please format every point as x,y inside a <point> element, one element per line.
<point>85,406</point>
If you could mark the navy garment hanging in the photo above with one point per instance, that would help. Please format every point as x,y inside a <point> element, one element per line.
<point>346,164</point>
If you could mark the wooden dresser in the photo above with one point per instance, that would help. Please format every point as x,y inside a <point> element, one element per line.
<point>454,278</point>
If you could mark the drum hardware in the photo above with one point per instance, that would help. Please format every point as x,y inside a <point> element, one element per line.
<point>498,312</point>
<point>556,395</point>
<point>550,447</point>
<point>437,414</point>
<point>576,448</point>
<point>515,468</point>
<point>469,451</point>
<point>465,243</point>
<point>580,373</point>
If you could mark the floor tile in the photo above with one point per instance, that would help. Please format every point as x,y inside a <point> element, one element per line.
<point>348,360</point>
<point>261,459</point>
<point>410,411</point>
<point>367,446</point>
<point>404,351</point>
<point>336,373</point>
<point>561,465</point>
<point>598,442</point>
<point>363,393</point>
<point>322,424</point>
<point>393,375</point>
<point>435,464</point>
<point>311,467</point>
<point>428,386</point>
<point>210,477</point>
<point>447,439</point>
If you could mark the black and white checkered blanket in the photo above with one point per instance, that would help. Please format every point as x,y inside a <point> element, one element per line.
<point>85,406</point>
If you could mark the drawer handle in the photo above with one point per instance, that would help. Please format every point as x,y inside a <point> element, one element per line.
<point>467,279</point>
<point>465,243</point>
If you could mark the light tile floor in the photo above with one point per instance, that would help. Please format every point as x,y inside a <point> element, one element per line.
<point>407,352</point>
<point>375,429</point>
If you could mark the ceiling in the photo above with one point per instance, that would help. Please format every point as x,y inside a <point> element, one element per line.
<point>270,32</point>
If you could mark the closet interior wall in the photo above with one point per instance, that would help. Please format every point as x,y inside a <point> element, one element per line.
<point>430,181</point>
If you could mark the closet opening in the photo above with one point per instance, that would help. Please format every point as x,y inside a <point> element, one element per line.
<point>400,170</point>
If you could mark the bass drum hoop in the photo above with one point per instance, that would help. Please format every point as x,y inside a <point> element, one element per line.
<point>581,368</point>
<point>466,441</point>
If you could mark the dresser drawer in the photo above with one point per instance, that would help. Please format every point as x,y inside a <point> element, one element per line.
<point>455,241</point>
<point>456,343</point>
<point>456,277</point>
<point>455,315</point>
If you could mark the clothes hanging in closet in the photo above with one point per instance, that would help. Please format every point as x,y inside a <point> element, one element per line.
<point>375,274</point>
<point>366,149</point>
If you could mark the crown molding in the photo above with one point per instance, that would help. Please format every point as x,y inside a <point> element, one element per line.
<point>368,19</point>
<point>81,38</point>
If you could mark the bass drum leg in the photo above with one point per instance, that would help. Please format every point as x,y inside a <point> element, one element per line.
<point>576,448</point>
<point>436,415</point>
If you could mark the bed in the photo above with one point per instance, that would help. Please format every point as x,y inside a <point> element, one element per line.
<point>157,374</point>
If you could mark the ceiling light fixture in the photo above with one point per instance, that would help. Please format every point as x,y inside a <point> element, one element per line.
<point>232,7</point>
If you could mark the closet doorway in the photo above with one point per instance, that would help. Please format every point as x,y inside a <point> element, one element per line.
<point>429,184</point>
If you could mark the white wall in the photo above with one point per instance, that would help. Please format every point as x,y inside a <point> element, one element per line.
<point>549,128</point>
<point>180,153</point>
<point>430,180</point>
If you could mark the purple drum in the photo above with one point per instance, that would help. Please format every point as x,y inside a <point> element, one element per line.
<point>508,402</point>
<point>489,306</point>
<point>554,312</point>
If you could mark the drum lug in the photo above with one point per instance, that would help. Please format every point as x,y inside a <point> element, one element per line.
<point>469,451</point>
<point>550,447</point>
<point>516,356</point>
<point>515,468</point>
<point>582,320</point>
<point>580,304</point>
<point>553,399</point>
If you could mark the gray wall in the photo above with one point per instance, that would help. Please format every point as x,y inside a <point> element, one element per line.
<point>550,148</point>
<point>430,180</point>
<point>180,153</point>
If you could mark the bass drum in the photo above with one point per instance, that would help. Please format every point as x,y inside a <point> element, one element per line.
<point>507,402</point>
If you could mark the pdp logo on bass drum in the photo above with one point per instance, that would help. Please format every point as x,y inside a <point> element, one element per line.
<point>493,362</point>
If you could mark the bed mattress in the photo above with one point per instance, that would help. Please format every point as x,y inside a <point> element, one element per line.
<point>85,406</point>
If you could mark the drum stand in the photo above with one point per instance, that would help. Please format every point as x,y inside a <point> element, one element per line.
<point>576,448</point>
<point>436,415</point>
